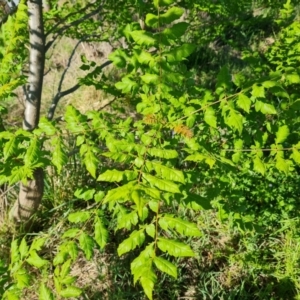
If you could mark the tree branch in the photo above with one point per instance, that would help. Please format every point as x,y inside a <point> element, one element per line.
<point>61,94</point>
<point>68,26</point>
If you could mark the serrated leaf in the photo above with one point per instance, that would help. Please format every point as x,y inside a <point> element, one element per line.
<point>23,248</point>
<point>150,229</point>
<point>139,201</point>
<point>117,176</point>
<point>32,152</point>
<point>65,269</point>
<point>265,108</point>
<point>210,118</point>
<point>91,162</point>
<point>244,103</point>
<point>127,220</point>
<point>293,78</point>
<point>148,285</point>
<point>258,91</point>
<point>72,249</point>
<point>86,243</point>
<point>163,153</point>
<point>174,248</point>
<point>70,292</point>
<point>282,164</point>
<point>37,244</point>
<point>45,293</point>
<point>118,58</point>
<point>165,266</point>
<point>75,121</point>
<point>150,78</point>
<point>142,37</point>
<point>46,126</point>
<point>176,31</point>
<point>164,185</point>
<point>259,166</point>
<point>10,147</point>
<point>165,172</point>
<point>235,120</point>
<point>121,193</point>
<point>153,205</point>
<point>181,226</point>
<point>172,14</point>
<point>296,156</point>
<point>71,233</point>
<point>59,156</point>
<point>135,239</point>
<point>22,278</point>
<point>79,216</point>
<point>282,134</point>
<point>101,233</point>
<point>36,260</point>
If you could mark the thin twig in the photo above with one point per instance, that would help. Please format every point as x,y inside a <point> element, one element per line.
<point>68,26</point>
<point>61,94</point>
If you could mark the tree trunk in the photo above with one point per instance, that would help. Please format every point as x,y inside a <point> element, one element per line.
<point>31,193</point>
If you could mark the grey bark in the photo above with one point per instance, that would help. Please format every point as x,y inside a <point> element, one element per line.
<point>31,193</point>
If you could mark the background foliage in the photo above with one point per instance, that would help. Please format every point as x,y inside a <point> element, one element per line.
<point>185,183</point>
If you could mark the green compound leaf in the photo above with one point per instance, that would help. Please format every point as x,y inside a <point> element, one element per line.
<point>70,292</point>
<point>37,244</point>
<point>174,248</point>
<point>235,120</point>
<point>164,185</point>
<point>165,172</point>
<point>142,37</point>
<point>36,260</point>
<point>117,176</point>
<point>126,220</point>
<point>282,134</point>
<point>121,193</point>
<point>296,156</point>
<point>135,239</point>
<point>181,226</point>
<point>244,103</point>
<point>259,166</point>
<point>71,233</point>
<point>46,126</point>
<point>165,266</point>
<point>79,217</point>
<point>101,233</point>
<point>22,278</point>
<point>171,15</point>
<point>45,293</point>
<point>23,248</point>
<point>59,155</point>
<point>150,78</point>
<point>91,162</point>
<point>265,108</point>
<point>210,118</point>
<point>10,147</point>
<point>163,153</point>
<point>258,91</point>
<point>147,281</point>
<point>282,164</point>
<point>87,245</point>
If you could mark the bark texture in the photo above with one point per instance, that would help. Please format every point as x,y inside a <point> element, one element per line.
<point>31,193</point>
